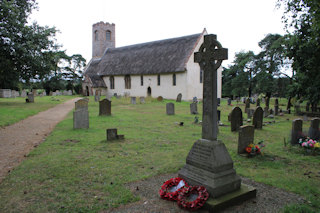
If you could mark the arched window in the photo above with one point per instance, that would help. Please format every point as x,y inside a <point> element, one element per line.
<point>201,76</point>
<point>96,37</point>
<point>141,80</point>
<point>108,35</point>
<point>127,82</point>
<point>111,82</point>
<point>174,79</point>
<point>159,80</point>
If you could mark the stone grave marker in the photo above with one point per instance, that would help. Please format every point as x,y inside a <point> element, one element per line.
<point>160,98</point>
<point>179,97</point>
<point>250,113</point>
<point>229,101</point>
<point>105,107</point>
<point>142,100</point>
<point>112,134</point>
<point>257,120</point>
<point>236,119</point>
<point>208,162</point>
<point>81,118</point>
<point>265,112</point>
<point>246,137</point>
<point>276,107</point>
<point>193,108</point>
<point>297,109</point>
<point>170,108</point>
<point>314,132</point>
<point>247,105</point>
<point>81,104</point>
<point>23,93</point>
<point>30,98</point>
<point>133,100</point>
<point>296,132</point>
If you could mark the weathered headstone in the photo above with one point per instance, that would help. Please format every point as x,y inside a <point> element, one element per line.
<point>142,100</point>
<point>236,119</point>
<point>296,132</point>
<point>81,118</point>
<point>170,108</point>
<point>246,137</point>
<point>81,104</point>
<point>5,93</point>
<point>314,132</point>
<point>276,107</point>
<point>160,98</point>
<point>247,105</point>
<point>193,108</point>
<point>208,162</point>
<point>30,98</point>
<point>179,97</point>
<point>133,100</point>
<point>257,120</point>
<point>105,107</point>
<point>250,113</point>
<point>258,102</point>
<point>112,134</point>
<point>23,93</point>
<point>229,101</point>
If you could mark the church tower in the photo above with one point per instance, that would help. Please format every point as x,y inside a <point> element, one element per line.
<point>103,37</point>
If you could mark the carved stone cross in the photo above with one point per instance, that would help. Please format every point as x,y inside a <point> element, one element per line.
<point>210,56</point>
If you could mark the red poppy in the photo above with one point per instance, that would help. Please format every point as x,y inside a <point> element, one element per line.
<point>193,198</point>
<point>171,188</point>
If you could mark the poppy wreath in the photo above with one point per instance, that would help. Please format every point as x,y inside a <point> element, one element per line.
<point>166,189</point>
<point>192,198</point>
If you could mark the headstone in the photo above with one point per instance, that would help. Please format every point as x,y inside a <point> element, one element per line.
<point>195,100</point>
<point>112,134</point>
<point>170,108</point>
<point>160,98</point>
<point>34,91</point>
<point>81,118</point>
<point>308,106</point>
<point>133,100</point>
<point>50,93</point>
<point>247,105</point>
<point>236,119</point>
<point>314,132</point>
<point>276,107</point>
<point>142,100</point>
<point>5,93</point>
<point>23,93</point>
<point>258,102</point>
<point>97,96</point>
<point>229,101</point>
<point>250,113</point>
<point>179,97</point>
<point>193,108</point>
<point>257,120</point>
<point>246,137</point>
<point>296,132</point>
<point>297,109</point>
<point>105,107</point>
<point>30,98</point>
<point>81,104</point>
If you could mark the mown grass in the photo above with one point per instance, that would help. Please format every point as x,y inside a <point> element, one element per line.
<point>78,171</point>
<point>13,110</point>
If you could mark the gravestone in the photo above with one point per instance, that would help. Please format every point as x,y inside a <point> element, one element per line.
<point>247,105</point>
<point>23,93</point>
<point>112,134</point>
<point>30,98</point>
<point>296,132</point>
<point>297,109</point>
<point>257,120</point>
<point>81,104</point>
<point>258,102</point>
<point>250,113</point>
<point>170,108</point>
<point>193,108</point>
<point>314,132</point>
<point>246,137</point>
<point>208,162</point>
<point>133,100</point>
<point>50,93</point>
<point>142,100</point>
<point>236,119</point>
<point>105,107</point>
<point>276,107</point>
<point>160,98</point>
<point>97,96</point>
<point>179,97</point>
<point>81,118</point>
<point>229,101</point>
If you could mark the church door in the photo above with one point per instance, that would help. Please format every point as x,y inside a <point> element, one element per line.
<point>149,91</point>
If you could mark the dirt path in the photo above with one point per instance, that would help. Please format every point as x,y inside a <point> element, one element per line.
<point>17,140</point>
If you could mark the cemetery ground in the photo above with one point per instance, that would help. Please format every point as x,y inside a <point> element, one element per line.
<point>79,171</point>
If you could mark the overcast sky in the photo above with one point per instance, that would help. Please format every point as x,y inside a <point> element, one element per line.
<point>239,24</point>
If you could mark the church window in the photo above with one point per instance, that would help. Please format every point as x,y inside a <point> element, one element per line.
<point>141,80</point>
<point>174,79</point>
<point>159,80</point>
<point>127,82</point>
<point>96,37</point>
<point>111,82</point>
<point>201,76</point>
<point>108,35</point>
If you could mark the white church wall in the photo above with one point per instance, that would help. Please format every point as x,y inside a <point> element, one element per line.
<point>166,88</point>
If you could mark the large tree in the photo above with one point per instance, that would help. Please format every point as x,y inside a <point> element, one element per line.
<point>26,50</point>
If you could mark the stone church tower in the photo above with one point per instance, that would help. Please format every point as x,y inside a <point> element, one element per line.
<point>103,36</point>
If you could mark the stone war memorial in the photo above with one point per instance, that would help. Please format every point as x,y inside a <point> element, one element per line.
<point>208,163</point>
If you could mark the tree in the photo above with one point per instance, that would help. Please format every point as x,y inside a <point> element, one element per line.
<point>25,50</point>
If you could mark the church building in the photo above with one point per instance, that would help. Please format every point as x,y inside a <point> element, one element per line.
<point>159,68</point>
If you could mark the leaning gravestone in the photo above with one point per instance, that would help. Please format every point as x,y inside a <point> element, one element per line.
<point>133,100</point>
<point>105,107</point>
<point>246,137</point>
<point>170,108</point>
<point>142,100</point>
<point>257,120</point>
<point>30,98</point>
<point>179,97</point>
<point>193,108</point>
<point>236,119</point>
<point>296,132</point>
<point>208,163</point>
<point>314,132</point>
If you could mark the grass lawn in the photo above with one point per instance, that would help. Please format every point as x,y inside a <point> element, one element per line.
<point>13,110</point>
<point>78,171</point>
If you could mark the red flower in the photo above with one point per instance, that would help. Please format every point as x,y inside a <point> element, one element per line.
<point>248,149</point>
<point>192,198</point>
<point>170,189</point>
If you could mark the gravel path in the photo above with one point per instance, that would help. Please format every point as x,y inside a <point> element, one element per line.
<point>17,140</point>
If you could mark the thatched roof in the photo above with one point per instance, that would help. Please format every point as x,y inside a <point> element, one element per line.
<point>165,56</point>
<point>90,72</point>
